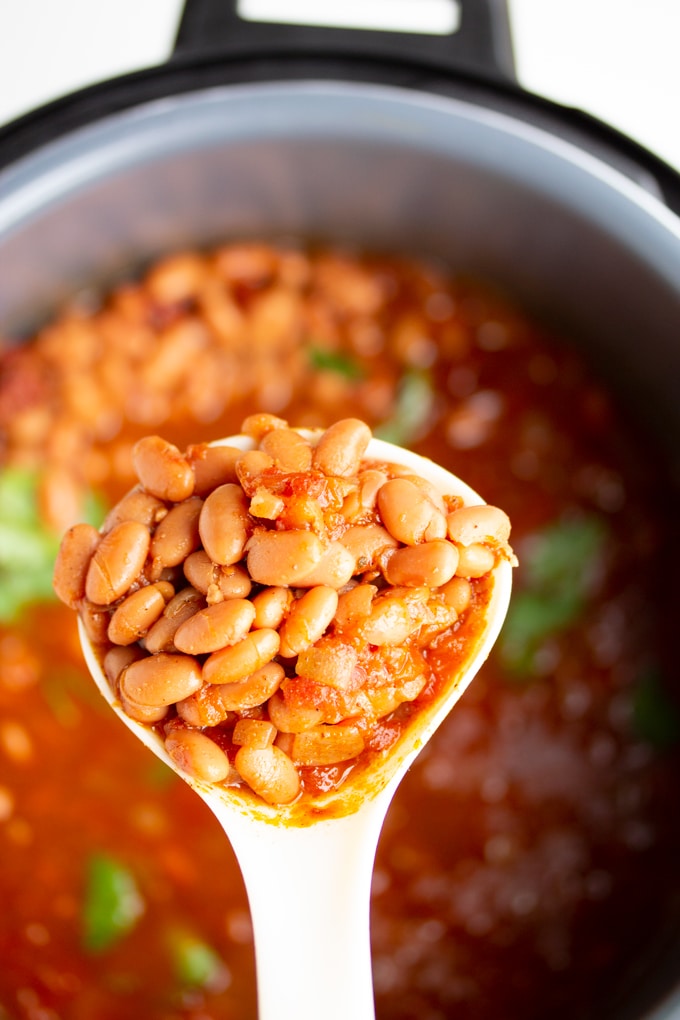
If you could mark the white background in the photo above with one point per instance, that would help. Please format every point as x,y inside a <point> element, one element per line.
<point>616,59</point>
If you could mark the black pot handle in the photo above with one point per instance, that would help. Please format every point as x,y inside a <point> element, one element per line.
<point>481,44</point>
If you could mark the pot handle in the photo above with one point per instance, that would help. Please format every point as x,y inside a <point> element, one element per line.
<point>471,36</point>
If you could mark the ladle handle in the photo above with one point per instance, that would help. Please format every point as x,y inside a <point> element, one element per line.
<point>309,896</point>
<point>478,39</point>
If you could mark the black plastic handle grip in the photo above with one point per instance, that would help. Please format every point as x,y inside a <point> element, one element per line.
<point>481,45</point>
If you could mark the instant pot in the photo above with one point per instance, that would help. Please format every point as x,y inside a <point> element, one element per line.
<point>386,141</point>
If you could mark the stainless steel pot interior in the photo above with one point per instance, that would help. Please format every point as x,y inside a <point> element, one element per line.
<point>379,166</point>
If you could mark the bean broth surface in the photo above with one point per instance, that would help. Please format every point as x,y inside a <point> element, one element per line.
<point>529,863</point>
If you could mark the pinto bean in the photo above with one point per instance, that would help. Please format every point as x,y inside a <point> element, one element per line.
<point>197,755</point>
<point>161,679</point>
<point>473,524</point>
<point>229,665</point>
<point>73,560</point>
<point>457,594</point>
<point>214,703</point>
<point>140,610</point>
<point>212,466</point>
<point>408,514</point>
<point>117,562</point>
<point>334,569</point>
<point>161,636</point>
<point>147,714</point>
<point>162,469</point>
<point>136,505</point>
<point>430,563</point>
<point>116,660</point>
<point>271,606</point>
<point>258,425</point>
<point>309,617</point>
<point>216,582</point>
<point>269,773</point>
<point>254,733</point>
<point>249,468</point>
<point>341,448</point>
<point>95,620</point>
<point>365,543</point>
<point>389,623</point>
<point>223,524</point>
<point>176,537</point>
<point>475,560</point>
<point>283,557</point>
<point>219,625</point>
<point>288,449</point>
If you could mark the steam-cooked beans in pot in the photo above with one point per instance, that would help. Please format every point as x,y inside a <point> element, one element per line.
<point>307,524</point>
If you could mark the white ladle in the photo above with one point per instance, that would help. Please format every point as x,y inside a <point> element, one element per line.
<point>308,878</point>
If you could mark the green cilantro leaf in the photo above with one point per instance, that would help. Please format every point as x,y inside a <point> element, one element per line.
<point>112,903</point>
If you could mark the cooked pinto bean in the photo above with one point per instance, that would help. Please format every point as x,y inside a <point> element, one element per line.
<point>225,623</point>
<point>254,733</point>
<point>95,620</point>
<point>196,754</point>
<point>334,569</point>
<point>214,703</point>
<point>137,505</point>
<point>408,514</point>
<point>457,594</point>
<point>162,469</point>
<point>271,606</point>
<point>161,636</point>
<point>288,449</point>
<point>229,665</point>
<point>389,622</point>
<point>73,560</point>
<point>223,524</point>
<point>472,524</point>
<point>176,537</point>
<point>117,562</point>
<point>430,563</point>
<point>147,714</point>
<point>212,466</point>
<point>269,772</point>
<point>283,557</point>
<point>140,610</point>
<point>258,425</point>
<point>161,679</point>
<point>341,447</point>
<point>365,543</point>
<point>475,560</point>
<point>117,658</point>
<point>308,619</point>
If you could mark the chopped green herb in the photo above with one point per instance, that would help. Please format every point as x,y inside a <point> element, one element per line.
<point>656,718</point>
<point>112,904</point>
<point>27,545</point>
<point>558,566</point>
<point>324,360</point>
<point>415,396</point>
<point>195,963</point>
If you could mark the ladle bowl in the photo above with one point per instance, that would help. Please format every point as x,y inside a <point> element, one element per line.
<point>307,870</point>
